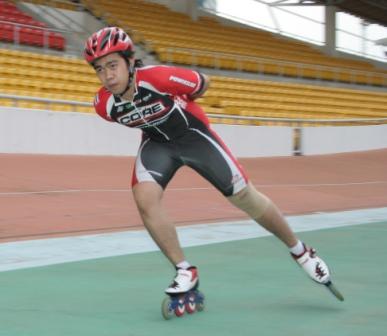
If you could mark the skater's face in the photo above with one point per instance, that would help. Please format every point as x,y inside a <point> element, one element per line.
<point>112,70</point>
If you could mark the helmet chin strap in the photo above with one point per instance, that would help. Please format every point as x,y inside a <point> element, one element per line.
<point>130,81</point>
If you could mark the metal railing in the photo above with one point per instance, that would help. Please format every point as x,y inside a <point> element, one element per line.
<point>51,9</point>
<point>301,121</point>
<point>294,122</point>
<point>46,101</point>
<point>282,67</point>
<point>64,4</point>
<point>17,31</point>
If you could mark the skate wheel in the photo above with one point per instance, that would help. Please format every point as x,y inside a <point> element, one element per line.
<point>190,305</point>
<point>180,307</point>
<point>200,302</point>
<point>166,308</point>
<point>200,306</point>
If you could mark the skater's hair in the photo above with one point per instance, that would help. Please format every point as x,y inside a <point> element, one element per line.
<point>138,63</point>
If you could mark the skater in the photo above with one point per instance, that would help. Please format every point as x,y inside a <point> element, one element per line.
<point>160,100</point>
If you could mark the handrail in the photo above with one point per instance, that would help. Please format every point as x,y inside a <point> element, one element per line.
<point>49,101</point>
<point>260,60</point>
<point>297,120</point>
<point>46,33</point>
<point>254,58</point>
<point>65,2</point>
<point>60,15</point>
<point>45,100</point>
<point>55,30</point>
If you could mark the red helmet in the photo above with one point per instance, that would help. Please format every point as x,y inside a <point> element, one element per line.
<point>106,41</point>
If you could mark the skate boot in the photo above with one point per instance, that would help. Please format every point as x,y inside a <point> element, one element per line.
<point>184,281</point>
<point>183,294</point>
<point>317,269</point>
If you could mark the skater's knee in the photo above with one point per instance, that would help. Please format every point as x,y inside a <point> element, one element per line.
<point>147,196</point>
<point>251,201</point>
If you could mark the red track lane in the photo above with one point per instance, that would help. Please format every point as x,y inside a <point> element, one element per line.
<point>49,195</point>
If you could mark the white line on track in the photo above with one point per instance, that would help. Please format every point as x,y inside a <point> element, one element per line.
<point>290,185</point>
<point>43,252</point>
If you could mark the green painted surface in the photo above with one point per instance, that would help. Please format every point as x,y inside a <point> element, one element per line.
<point>252,287</point>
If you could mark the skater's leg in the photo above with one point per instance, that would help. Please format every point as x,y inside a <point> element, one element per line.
<point>148,197</point>
<point>273,221</point>
<point>265,213</point>
<point>155,166</point>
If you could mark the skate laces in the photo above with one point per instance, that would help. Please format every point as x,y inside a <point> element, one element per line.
<point>312,252</point>
<point>309,252</point>
<point>184,276</point>
<point>313,265</point>
<point>319,269</point>
<point>320,272</point>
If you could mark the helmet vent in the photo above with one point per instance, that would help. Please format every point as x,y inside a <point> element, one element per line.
<point>105,40</point>
<point>116,37</point>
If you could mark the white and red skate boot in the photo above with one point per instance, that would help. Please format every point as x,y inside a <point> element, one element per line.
<point>185,280</point>
<point>317,269</point>
<point>183,294</point>
<point>313,265</point>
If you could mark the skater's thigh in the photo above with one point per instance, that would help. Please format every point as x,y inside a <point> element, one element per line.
<point>209,156</point>
<point>155,162</point>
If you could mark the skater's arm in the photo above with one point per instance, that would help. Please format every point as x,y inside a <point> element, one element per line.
<point>205,83</point>
<point>177,81</point>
